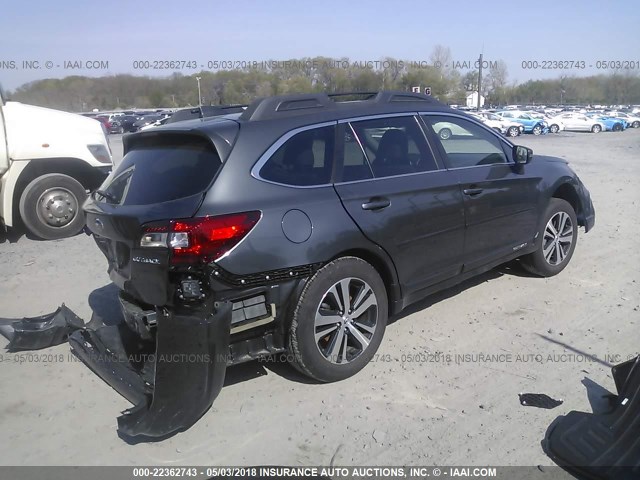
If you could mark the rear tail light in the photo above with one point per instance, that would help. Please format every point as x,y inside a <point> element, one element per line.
<point>202,239</point>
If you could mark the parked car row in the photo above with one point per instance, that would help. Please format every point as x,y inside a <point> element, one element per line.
<point>130,121</point>
<point>539,122</point>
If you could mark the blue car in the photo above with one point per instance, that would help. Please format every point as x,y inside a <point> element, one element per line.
<point>612,124</point>
<point>533,125</point>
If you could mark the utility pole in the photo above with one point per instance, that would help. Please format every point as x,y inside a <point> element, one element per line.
<point>479,80</point>
<point>199,93</point>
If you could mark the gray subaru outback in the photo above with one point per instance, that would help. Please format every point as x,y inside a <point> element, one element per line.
<point>300,225</point>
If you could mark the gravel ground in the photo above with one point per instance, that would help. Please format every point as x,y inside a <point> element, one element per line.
<point>418,403</point>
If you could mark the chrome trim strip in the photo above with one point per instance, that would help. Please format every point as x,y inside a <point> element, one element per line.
<point>396,176</point>
<point>377,116</point>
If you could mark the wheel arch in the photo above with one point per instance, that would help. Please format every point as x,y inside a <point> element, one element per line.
<point>567,192</point>
<point>385,269</point>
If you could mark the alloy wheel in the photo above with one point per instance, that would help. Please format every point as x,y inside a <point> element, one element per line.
<point>346,320</point>
<point>557,238</point>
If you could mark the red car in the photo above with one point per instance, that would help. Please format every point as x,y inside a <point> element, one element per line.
<point>111,127</point>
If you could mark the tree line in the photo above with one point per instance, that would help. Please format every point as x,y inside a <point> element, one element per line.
<point>315,74</point>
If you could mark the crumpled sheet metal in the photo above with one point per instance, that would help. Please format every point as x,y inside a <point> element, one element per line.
<point>35,333</point>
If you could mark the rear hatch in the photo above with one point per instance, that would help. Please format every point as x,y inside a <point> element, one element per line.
<point>163,176</point>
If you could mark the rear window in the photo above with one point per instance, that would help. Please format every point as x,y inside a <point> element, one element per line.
<point>160,169</point>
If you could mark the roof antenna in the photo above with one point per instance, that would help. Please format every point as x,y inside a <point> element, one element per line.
<point>199,97</point>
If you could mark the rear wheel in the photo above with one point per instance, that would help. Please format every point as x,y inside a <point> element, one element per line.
<point>635,124</point>
<point>50,206</point>
<point>596,129</point>
<point>339,321</point>
<point>554,128</point>
<point>559,229</point>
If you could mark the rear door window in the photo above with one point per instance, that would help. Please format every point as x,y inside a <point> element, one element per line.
<point>161,169</point>
<point>355,165</point>
<point>306,159</point>
<point>394,146</point>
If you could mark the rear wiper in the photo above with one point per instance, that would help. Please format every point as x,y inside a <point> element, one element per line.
<point>107,195</point>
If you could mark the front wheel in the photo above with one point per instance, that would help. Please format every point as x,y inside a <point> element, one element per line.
<point>537,130</point>
<point>596,129</point>
<point>554,128</point>
<point>339,320</point>
<point>635,124</point>
<point>50,206</point>
<point>559,229</point>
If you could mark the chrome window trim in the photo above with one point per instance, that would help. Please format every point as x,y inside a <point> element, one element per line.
<point>377,116</point>
<point>397,176</point>
<point>366,157</point>
<point>255,170</point>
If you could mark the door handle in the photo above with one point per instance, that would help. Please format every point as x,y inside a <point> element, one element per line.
<point>472,191</point>
<point>376,203</point>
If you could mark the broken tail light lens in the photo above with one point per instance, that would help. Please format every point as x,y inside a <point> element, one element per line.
<point>202,239</point>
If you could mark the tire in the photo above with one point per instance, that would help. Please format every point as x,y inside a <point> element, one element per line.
<point>617,127</point>
<point>596,129</point>
<point>513,132</point>
<point>537,130</point>
<point>322,293</point>
<point>445,133</point>
<point>121,130</point>
<point>557,257</point>
<point>64,196</point>
<point>554,128</point>
<point>635,124</point>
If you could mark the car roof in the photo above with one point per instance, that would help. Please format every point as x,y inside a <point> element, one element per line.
<point>276,115</point>
<point>317,107</point>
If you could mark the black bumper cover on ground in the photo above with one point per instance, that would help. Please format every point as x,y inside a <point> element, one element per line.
<point>44,331</point>
<point>606,446</point>
<point>172,383</point>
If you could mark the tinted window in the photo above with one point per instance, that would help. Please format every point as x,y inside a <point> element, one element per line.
<point>303,160</point>
<point>161,169</point>
<point>465,143</point>
<point>394,146</point>
<point>355,165</point>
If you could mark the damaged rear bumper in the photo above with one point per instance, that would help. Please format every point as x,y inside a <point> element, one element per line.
<point>171,383</point>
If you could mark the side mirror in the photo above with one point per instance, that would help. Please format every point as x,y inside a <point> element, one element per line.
<point>522,155</point>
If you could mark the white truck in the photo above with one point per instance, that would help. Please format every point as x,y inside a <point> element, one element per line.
<point>49,160</point>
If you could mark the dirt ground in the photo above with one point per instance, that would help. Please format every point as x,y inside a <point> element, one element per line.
<point>442,391</point>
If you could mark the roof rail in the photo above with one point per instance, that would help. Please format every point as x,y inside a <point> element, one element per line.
<point>274,107</point>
